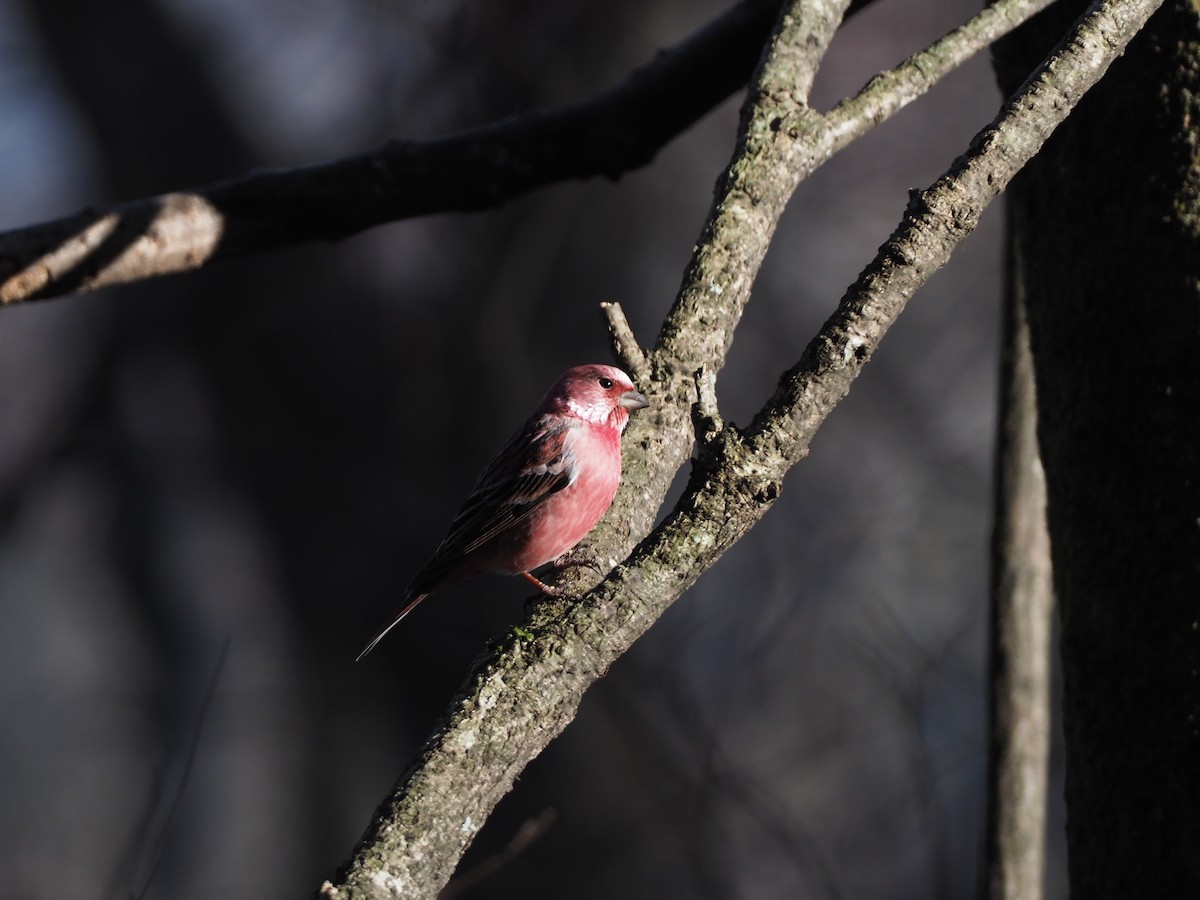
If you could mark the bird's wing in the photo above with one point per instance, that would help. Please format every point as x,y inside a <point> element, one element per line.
<point>535,464</point>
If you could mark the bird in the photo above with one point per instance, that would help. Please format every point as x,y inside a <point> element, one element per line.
<point>542,493</point>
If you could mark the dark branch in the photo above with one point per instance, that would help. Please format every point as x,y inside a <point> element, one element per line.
<point>615,132</point>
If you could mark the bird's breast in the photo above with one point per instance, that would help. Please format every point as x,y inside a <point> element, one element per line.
<point>565,518</point>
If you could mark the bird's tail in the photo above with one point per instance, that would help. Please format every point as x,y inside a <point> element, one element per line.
<point>410,603</point>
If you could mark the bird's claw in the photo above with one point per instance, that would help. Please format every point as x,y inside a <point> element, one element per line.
<point>577,558</point>
<point>548,589</point>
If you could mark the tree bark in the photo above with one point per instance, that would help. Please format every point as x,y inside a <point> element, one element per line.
<point>1107,225</point>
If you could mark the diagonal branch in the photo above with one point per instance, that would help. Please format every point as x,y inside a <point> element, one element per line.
<point>527,691</point>
<point>889,92</point>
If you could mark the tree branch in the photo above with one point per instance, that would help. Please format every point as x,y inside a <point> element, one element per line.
<point>889,92</point>
<point>527,691</point>
<point>625,348</point>
<point>1022,613</point>
<point>768,165</point>
<point>612,133</point>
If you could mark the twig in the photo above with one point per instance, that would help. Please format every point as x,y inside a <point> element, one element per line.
<point>786,143</point>
<point>889,92</point>
<point>624,344</point>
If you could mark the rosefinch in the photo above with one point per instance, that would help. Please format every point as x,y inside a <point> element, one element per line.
<point>546,489</point>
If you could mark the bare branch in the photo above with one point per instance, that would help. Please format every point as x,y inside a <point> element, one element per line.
<point>889,92</point>
<point>771,160</point>
<point>1022,612</point>
<point>624,344</point>
<point>612,133</point>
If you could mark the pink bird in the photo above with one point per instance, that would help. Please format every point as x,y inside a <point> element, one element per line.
<point>546,489</point>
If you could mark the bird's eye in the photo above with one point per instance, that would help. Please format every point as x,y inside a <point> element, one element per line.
<point>606,383</point>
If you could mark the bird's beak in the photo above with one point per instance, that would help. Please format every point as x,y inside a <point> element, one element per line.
<point>633,400</point>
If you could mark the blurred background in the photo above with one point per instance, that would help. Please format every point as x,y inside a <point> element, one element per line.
<point>213,487</point>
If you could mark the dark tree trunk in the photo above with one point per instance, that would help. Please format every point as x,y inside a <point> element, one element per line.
<point>1107,225</point>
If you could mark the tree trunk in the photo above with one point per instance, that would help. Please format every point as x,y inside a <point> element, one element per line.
<point>1106,222</point>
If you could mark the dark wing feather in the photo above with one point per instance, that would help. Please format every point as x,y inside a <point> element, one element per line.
<point>410,603</point>
<point>535,464</point>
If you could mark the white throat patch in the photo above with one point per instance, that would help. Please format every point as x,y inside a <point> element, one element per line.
<point>593,414</point>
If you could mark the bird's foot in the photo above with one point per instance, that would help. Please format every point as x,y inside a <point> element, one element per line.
<point>577,558</point>
<point>547,589</point>
<point>544,591</point>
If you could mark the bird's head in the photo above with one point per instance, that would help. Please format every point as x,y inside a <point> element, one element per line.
<point>601,395</point>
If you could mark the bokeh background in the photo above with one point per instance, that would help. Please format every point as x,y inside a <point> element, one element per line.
<point>214,486</point>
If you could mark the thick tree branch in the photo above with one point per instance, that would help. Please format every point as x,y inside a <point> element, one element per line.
<point>614,132</point>
<point>527,691</point>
